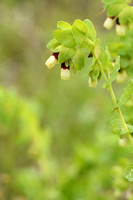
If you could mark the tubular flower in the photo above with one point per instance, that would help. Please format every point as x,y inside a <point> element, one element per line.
<point>120,29</point>
<point>65,72</point>
<point>92,83</point>
<point>109,22</point>
<point>52,60</point>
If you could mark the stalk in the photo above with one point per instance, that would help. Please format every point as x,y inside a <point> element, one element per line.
<point>129,137</point>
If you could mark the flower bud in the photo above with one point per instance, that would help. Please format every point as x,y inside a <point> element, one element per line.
<point>122,76</point>
<point>108,24</point>
<point>92,83</point>
<point>52,60</point>
<point>65,72</point>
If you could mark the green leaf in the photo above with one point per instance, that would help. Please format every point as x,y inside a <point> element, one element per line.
<point>79,60</point>
<point>81,26</point>
<point>78,36</point>
<point>91,30</point>
<point>65,37</point>
<point>115,9</point>
<point>65,54</point>
<point>116,126</point>
<point>63,25</point>
<point>126,15</point>
<point>53,44</point>
<point>103,59</point>
<point>118,129</point>
<point>97,48</point>
<point>127,94</point>
<point>129,173</point>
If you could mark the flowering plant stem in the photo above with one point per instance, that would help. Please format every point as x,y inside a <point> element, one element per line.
<point>115,101</point>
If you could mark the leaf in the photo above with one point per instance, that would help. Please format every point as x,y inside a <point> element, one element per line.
<point>53,44</point>
<point>97,48</point>
<point>129,173</point>
<point>63,25</point>
<point>116,126</point>
<point>127,94</point>
<point>65,54</point>
<point>115,9</point>
<point>79,60</point>
<point>65,37</point>
<point>81,26</point>
<point>126,15</point>
<point>103,59</point>
<point>91,30</point>
<point>78,36</point>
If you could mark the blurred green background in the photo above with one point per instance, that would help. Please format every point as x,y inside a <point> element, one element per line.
<point>55,138</point>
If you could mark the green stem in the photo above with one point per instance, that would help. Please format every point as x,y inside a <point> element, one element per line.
<point>115,101</point>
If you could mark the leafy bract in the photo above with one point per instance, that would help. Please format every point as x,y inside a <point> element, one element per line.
<point>103,58</point>
<point>115,9</point>
<point>81,26</point>
<point>65,54</point>
<point>65,37</point>
<point>53,44</point>
<point>126,15</point>
<point>79,60</point>
<point>91,30</point>
<point>63,25</point>
<point>78,36</point>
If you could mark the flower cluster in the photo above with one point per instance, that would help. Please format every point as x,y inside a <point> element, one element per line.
<point>76,47</point>
<point>120,12</point>
<point>71,45</point>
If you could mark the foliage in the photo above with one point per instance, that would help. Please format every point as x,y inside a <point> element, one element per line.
<point>55,138</point>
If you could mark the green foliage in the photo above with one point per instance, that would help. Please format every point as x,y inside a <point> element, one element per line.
<point>55,142</point>
<point>127,94</point>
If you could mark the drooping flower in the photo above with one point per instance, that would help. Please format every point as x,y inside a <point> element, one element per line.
<point>65,72</point>
<point>109,22</point>
<point>120,28</point>
<point>52,60</point>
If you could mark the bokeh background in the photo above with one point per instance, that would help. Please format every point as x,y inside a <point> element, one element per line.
<point>55,137</point>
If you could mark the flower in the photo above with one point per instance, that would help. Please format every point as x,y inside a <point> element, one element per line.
<point>92,83</point>
<point>65,72</point>
<point>109,22</point>
<point>120,29</point>
<point>52,60</point>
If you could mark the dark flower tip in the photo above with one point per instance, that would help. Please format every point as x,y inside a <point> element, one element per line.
<point>117,21</point>
<point>63,66</point>
<point>56,55</point>
<point>112,17</point>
